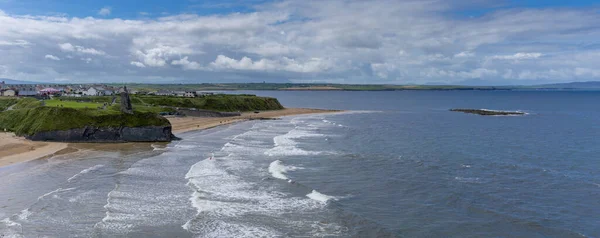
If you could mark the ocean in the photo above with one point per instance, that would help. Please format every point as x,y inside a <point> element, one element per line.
<point>394,164</point>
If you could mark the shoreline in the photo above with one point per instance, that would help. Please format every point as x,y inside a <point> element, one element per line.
<point>15,149</point>
<point>187,124</point>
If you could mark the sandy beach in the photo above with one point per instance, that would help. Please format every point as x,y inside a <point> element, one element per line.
<point>14,149</point>
<point>185,124</point>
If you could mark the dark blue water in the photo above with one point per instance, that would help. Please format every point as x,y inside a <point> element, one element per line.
<point>398,164</point>
<point>423,171</point>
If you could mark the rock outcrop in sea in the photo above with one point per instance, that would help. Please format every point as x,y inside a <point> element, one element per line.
<point>486,112</point>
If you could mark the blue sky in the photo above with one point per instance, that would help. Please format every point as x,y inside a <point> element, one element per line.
<point>125,8</point>
<point>486,42</point>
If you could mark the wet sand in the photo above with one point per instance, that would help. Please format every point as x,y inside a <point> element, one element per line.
<point>14,149</point>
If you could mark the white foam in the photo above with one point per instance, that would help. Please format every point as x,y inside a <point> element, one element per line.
<point>25,213</point>
<point>85,171</point>
<point>54,192</point>
<point>467,180</point>
<point>221,197</point>
<point>315,195</point>
<point>157,147</point>
<point>12,230</point>
<point>286,146</point>
<point>278,169</point>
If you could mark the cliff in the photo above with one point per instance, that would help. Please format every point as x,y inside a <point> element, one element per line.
<point>107,134</point>
<point>80,125</point>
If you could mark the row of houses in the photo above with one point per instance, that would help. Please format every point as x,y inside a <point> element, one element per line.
<point>28,90</point>
<point>187,94</point>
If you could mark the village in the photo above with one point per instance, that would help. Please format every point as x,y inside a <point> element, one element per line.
<point>42,90</point>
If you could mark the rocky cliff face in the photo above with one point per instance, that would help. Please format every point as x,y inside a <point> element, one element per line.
<point>108,135</point>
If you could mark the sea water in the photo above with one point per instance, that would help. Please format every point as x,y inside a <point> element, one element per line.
<point>396,164</point>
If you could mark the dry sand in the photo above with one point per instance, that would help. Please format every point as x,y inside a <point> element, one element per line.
<point>14,149</point>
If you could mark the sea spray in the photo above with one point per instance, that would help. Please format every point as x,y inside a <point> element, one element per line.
<point>278,169</point>
<point>315,195</point>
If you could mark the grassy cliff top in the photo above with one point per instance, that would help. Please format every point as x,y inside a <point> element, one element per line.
<point>41,119</point>
<point>219,102</point>
<point>226,103</point>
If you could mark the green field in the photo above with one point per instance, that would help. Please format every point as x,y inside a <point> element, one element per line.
<point>72,104</point>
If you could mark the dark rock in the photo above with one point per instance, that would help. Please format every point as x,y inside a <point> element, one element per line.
<point>485,112</point>
<point>126,102</point>
<point>110,135</point>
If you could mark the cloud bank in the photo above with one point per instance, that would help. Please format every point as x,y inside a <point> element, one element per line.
<point>337,41</point>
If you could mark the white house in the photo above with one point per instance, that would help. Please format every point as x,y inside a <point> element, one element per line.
<point>164,93</point>
<point>189,94</point>
<point>90,92</point>
<point>8,93</point>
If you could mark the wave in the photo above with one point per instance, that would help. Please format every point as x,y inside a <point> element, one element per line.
<point>278,169</point>
<point>85,171</point>
<point>286,146</point>
<point>223,192</point>
<point>317,196</point>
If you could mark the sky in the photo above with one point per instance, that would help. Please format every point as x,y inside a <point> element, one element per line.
<point>468,42</point>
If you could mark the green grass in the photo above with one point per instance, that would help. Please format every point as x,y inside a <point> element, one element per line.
<point>72,104</point>
<point>156,104</point>
<point>30,121</point>
<point>6,102</point>
<point>23,103</point>
<point>227,103</point>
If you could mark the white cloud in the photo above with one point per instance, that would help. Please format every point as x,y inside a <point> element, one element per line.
<point>21,43</point>
<point>464,54</point>
<point>68,47</point>
<point>312,65</point>
<point>186,64</point>
<point>245,63</point>
<point>518,56</point>
<point>51,57</point>
<point>403,41</point>
<point>138,64</point>
<point>105,11</point>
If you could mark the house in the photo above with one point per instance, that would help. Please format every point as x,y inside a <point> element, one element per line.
<point>201,93</point>
<point>8,93</point>
<point>90,92</point>
<point>189,94</point>
<point>27,92</point>
<point>179,93</point>
<point>164,93</point>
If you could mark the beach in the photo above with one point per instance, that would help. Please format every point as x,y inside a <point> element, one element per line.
<point>185,124</point>
<point>14,149</point>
